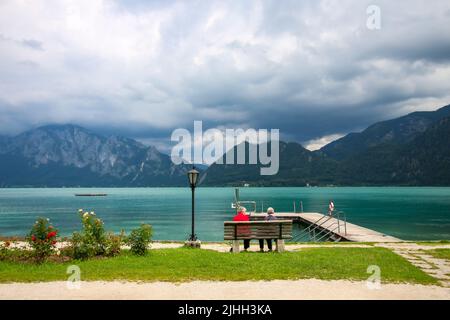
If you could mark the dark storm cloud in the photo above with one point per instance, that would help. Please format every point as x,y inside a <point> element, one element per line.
<point>143,68</point>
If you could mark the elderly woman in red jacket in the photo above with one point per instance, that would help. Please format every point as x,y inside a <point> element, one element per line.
<point>243,230</point>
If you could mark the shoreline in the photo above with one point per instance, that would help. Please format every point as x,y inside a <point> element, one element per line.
<point>158,244</point>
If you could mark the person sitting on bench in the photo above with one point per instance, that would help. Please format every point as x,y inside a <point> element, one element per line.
<point>242,230</point>
<point>270,216</point>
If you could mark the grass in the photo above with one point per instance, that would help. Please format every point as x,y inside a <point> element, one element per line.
<point>331,243</point>
<point>433,243</point>
<point>186,264</point>
<point>439,253</point>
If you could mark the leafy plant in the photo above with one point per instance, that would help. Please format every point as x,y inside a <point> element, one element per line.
<point>79,248</point>
<point>4,251</point>
<point>42,239</point>
<point>139,239</point>
<point>114,244</point>
<point>92,240</point>
<point>13,252</point>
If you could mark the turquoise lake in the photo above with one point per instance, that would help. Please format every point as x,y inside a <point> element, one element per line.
<point>403,212</point>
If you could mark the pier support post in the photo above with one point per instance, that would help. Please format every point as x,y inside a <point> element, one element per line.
<point>280,245</point>
<point>235,246</point>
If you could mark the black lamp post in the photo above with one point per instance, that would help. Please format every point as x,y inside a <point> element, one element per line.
<point>193,178</point>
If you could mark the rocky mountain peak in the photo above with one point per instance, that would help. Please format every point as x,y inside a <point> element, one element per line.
<point>110,159</point>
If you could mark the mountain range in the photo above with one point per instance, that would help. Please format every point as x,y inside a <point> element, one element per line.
<point>410,150</point>
<point>69,155</point>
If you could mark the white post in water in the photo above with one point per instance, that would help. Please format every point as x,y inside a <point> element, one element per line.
<point>236,199</point>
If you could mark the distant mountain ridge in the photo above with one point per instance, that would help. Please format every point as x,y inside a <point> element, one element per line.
<point>298,166</point>
<point>69,155</point>
<point>410,150</point>
<point>396,131</point>
<point>425,160</point>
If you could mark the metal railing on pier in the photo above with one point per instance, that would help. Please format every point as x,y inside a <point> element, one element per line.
<point>319,230</point>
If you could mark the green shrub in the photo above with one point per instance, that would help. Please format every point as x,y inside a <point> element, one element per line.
<point>79,248</point>
<point>42,239</point>
<point>4,251</point>
<point>8,252</point>
<point>139,239</point>
<point>114,244</point>
<point>92,240</point>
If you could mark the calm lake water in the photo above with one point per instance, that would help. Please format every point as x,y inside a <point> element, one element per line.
<point>407,213</point>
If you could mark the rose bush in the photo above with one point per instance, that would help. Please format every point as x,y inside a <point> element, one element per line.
<point>42,239</point>
<point>92,240</point>
<point>114,244</point>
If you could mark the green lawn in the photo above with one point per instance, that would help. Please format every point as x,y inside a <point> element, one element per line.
<point>439,253</point>
<point>331,243</point>
<point>433,243</point>
<point>186,264</point>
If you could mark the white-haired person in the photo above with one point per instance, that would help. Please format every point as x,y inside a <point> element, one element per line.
<point>270,216</point>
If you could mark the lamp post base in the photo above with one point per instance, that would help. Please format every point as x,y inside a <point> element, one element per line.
<point>193,243</point>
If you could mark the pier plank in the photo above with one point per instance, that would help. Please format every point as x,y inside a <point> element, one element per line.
<point>354,233</point>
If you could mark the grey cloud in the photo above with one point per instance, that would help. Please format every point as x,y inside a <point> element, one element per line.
<point>28,63</point>
<point>33,44</point>
<point>142,69</point>
<point>27,43</point>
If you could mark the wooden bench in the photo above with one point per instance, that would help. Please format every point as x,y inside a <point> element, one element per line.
<point>278,230</point>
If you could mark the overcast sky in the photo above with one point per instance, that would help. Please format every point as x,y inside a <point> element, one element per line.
<point>313,69</point>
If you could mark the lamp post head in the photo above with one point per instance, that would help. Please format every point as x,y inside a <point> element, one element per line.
<point>193,177</point>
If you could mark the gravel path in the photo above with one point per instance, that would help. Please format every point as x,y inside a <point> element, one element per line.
<point>212,290</point>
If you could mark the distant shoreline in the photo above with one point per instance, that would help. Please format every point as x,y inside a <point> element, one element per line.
<point>268,186</point>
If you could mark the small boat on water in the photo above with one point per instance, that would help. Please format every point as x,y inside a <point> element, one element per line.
<point>91,194</point>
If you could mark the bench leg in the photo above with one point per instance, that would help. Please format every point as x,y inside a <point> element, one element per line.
<point>280,245</point>
<point>235,246</point>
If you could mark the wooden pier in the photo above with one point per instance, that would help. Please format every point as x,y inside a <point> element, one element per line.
<point>346,231</point>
